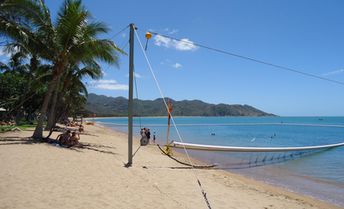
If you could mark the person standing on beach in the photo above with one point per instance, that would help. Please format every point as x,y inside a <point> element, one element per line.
<point>142,131</point>
<point>148,134</point>
<point>154,137</point>
<point>144,136</point>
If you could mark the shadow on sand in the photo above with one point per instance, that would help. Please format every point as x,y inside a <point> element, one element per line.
<point>12,140</point>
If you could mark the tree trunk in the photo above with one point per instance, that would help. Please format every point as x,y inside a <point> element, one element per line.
<point>38,133</point>
<point>52,116</point>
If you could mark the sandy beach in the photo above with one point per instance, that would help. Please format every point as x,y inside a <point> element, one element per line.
<point>41,175</point>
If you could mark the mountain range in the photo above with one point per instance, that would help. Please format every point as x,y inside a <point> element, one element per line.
<point>109,106</point>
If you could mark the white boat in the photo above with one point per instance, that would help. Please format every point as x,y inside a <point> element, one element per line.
<point>205,147</point>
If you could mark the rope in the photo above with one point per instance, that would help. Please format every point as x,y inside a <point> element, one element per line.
<point>172,119</point>
<point>252,59</point>
<point>204,194</point>
<point>137,97</point>
<point>136,151</point>
<point>125,45</point>
<point>116,34</point>
<point>183,163</point>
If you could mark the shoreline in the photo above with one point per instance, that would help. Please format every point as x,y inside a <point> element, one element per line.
<point>104,117</point>
<point>279,188</point>
<point>96,178</point>
<point>265,185</point>
<point>275,116</point>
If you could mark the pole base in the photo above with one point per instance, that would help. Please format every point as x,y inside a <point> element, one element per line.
<point>127,165</point>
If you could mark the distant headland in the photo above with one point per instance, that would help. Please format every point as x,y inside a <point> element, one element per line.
<point>104,106</point>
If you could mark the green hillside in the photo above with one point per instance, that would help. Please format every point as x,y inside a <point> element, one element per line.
<point>110,106</point>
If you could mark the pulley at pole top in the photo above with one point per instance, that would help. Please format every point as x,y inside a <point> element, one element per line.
<point>148,36</point>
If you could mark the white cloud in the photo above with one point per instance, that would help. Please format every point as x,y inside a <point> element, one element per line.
<point>136,75</point>
<point>185,45</point>
<point>177,65</point>
<point>103,82</point>
<point>171,31</point>
<point>104,73</point>
<point>333,72</point>
<point>165,61</point>
<point>108,85</point>
<point>162,41</point>
<point>115,86</point>
<point>182,45</point>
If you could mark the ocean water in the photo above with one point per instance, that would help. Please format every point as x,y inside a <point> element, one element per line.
<point>317,174</point>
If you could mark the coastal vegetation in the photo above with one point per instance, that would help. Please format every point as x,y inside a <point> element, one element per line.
<point>42,82</point>
<point>110,106</point>
<point>49,59</point>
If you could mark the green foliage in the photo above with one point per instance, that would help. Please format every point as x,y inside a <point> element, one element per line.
<point>4,129</point>
<point>73,41</point>
<point>22,86</point>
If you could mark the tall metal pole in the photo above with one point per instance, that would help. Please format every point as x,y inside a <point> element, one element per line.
<point>130,100</point>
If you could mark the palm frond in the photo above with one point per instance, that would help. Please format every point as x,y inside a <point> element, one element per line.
<point>71,19</point>
<point>32,12</point>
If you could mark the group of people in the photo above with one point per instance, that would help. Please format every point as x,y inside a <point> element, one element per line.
<point>146,134</point>
<point>72,123</point>
<point>7,123</point>
<point>68,139</point>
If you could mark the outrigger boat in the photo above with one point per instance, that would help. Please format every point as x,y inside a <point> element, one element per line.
<point>205,147</point>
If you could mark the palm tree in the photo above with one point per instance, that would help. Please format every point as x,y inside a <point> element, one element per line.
<point>23,85</point>
<point>72,82</point>
<point>73,39</point>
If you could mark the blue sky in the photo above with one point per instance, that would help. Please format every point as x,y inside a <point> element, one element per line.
<point>305,35</point>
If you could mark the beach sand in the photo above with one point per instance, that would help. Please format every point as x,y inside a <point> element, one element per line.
<point>40,175</point>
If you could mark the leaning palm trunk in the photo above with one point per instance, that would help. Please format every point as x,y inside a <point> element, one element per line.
<point>59,113</point>
<point>38,133</point>
<point>52,115</point>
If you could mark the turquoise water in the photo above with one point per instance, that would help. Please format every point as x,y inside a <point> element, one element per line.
<point>319,174</point>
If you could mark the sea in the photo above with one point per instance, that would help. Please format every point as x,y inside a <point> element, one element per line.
<point>317,174</point>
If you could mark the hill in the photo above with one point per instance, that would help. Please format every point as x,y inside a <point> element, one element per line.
<point>109,106</point>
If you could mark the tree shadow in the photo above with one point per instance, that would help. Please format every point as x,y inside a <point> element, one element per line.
<point>98,145</point>
<point>12,140</point>
<point>95,147</point>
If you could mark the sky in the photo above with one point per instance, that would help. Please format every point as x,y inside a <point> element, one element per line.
<point>304,35</point>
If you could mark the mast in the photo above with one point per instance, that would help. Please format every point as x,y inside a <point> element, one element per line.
<point>168,149</point>
<point>130,100</point>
